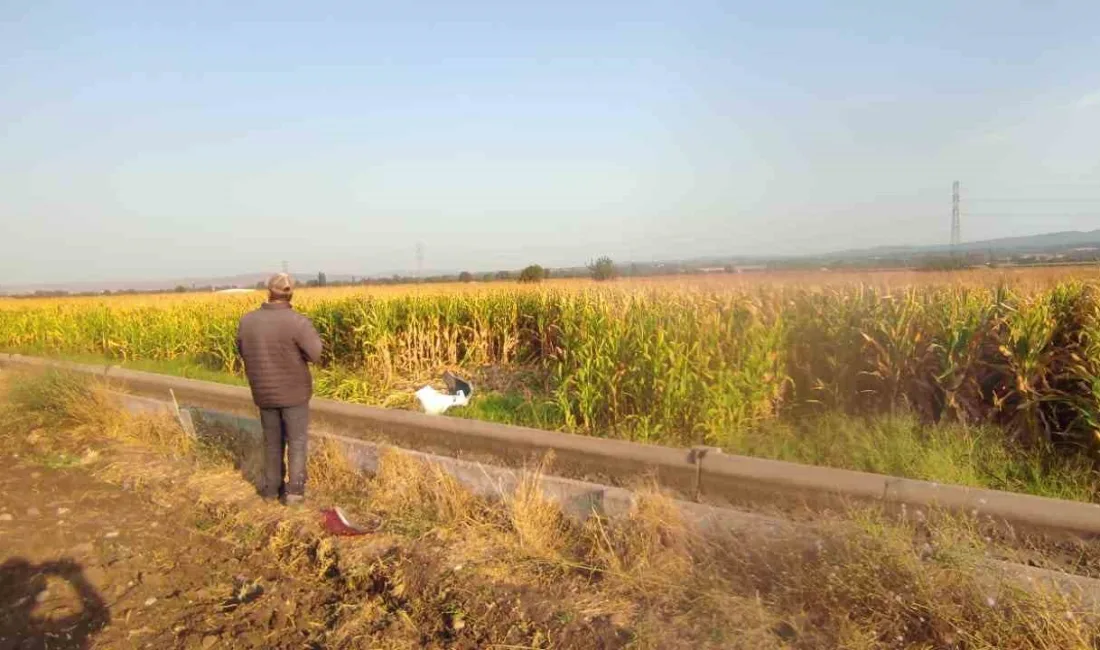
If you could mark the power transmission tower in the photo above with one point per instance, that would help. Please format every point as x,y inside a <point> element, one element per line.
<point>956,226</point>
<point>419,260</point>
<point>286,267</point>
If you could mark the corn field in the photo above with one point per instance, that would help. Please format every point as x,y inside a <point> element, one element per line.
<point>660,364</point>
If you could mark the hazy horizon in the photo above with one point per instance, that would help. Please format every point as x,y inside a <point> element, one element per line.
<point>216,139</point>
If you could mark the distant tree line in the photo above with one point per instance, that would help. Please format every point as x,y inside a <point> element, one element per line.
<point>604,269</point>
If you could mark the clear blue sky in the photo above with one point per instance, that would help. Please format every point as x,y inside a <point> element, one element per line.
<point>167,139</point>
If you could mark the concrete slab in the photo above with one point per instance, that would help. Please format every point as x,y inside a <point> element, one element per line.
<point>704,475</point>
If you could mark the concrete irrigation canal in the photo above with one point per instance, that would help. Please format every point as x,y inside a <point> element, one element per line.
<point>590,476</point>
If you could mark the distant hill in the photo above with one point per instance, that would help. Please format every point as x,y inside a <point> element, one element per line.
<point>1055,243</point>
<point>1045,243</point>
<point>1040,243</point>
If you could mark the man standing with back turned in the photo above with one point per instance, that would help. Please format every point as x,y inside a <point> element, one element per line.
<point>277,344</point>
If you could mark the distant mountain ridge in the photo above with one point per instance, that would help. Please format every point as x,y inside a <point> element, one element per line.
<point>1044,243</point>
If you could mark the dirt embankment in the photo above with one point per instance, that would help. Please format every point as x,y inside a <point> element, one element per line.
<point>118,532</point>
<point>123,532</point>
<point>86,561</point>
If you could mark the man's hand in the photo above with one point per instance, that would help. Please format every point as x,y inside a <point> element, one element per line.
<point>309,341</point>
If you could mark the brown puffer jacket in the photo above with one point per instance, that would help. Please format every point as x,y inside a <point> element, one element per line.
<point>277,344</point>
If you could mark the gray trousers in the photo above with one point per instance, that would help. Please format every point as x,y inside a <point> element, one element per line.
<point>285,429</point>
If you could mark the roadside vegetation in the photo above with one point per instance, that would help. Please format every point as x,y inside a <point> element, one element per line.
<point>445,569</point>
<point>992,381</point>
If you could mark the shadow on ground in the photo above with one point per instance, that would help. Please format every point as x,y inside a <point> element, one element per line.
<point>23,587</point>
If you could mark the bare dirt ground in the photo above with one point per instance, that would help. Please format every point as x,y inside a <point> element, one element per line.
<point>129,562</point>
<point>123,531</point>
<point>87,564</point>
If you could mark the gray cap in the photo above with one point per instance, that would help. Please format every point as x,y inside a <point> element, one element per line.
<point>280,286</point>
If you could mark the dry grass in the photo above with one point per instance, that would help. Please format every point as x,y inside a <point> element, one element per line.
<point>448,569</point>
<point>540,531</point>
<point>869,584</point>
<point>416,497</point>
